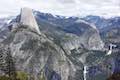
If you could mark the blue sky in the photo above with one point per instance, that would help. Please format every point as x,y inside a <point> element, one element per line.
<point>107,8</point>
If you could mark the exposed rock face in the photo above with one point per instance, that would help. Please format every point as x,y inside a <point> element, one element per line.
<point>27,18</point>
<point>94,41</point>
<point>35,55</point>
<point>75,35</point>
<point>89,42</point>
<point>78,31</point>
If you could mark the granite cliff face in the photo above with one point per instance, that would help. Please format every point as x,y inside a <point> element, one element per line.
<point>73,36</point>
<point>36,54</point>
<point>27,18</point>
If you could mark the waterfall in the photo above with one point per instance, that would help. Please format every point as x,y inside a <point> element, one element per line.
<point>110,49</point>
<point>85,72</point>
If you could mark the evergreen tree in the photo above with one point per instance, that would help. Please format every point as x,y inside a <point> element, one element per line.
<point>10,67</point>
<point>7,63</point>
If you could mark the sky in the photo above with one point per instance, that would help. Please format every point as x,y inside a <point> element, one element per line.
<point>106,8</point>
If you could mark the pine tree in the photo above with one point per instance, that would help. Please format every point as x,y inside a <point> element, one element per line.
<point>10,68</point>
<point>6,62</point>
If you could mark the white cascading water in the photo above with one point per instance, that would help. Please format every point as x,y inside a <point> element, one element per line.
<point>85,72</point>
<point>110,49</point>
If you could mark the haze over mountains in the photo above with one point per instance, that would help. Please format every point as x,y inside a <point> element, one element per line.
<point>47,47</point>
<point>79,8</point>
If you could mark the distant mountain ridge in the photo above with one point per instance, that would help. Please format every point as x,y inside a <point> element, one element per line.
<point>102,22</point>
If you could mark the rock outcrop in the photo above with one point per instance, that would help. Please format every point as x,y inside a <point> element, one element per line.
<point>37,56</point>
<point>27,18</point>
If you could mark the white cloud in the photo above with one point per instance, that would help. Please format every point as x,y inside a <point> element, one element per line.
<point>63,7</point>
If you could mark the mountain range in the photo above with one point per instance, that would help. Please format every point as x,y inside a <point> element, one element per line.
<point>42,46</point>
